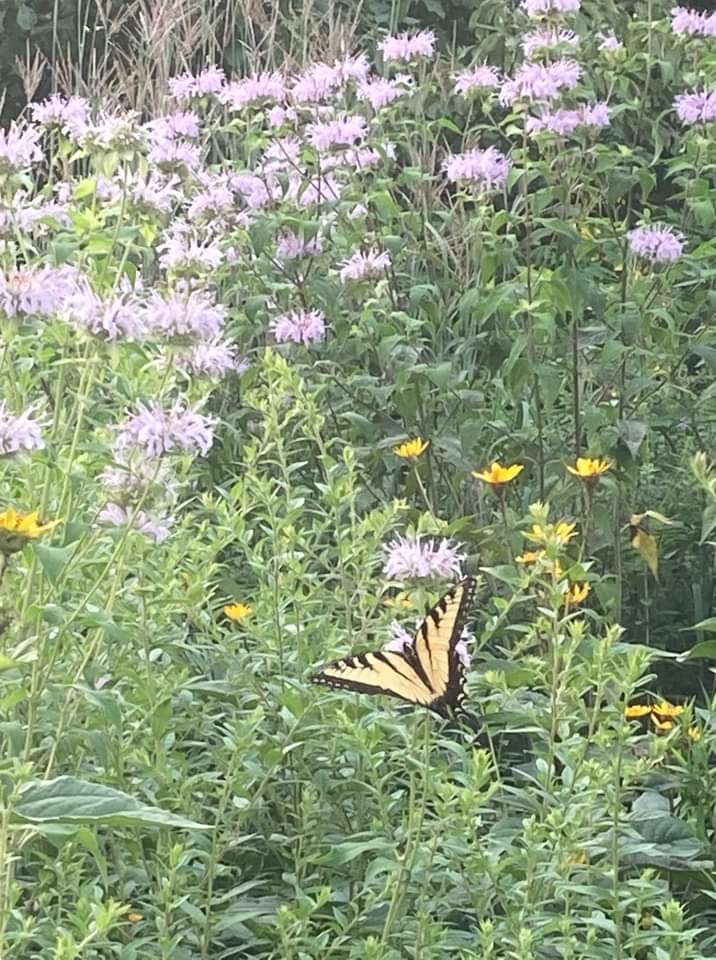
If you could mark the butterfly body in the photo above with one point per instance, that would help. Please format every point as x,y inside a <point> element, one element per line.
<point>427,671</point>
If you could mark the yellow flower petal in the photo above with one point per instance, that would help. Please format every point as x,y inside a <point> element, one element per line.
<point>17,528</point>
<point>529,556</point>
<point>666,709</point>
<point>238,611</point>
<point>694,734</point>
<point>589,469</point>
<point>636,710</point>
<point>577,593</point>
<point>411,449</point>
<point>497,474</point>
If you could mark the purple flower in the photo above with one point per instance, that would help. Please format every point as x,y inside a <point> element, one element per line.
<point>478,78</point>
<point>184,123</point>
<point>186,86</point>
<point>317,190</point>
<point>118,516</point>
<point>39,290</point>
<point>19,432</point>
<point>565,122</point>
<point>152,196</point>
<point>400,639</point>
<point>379,92</point>
<point>360,265</point>
<point>175,156</point>
<point>406,48</point>
<point>279,115</point>
<point>182,253</point>
<point>548,39</point>
<point>133,477</point>
<point>487,168</point>
<point>119,132</point>
<point>68,114</point>
<point>698,106</point>
<point>318,82</point>
<point>538,81</point>
<point>215,202</point>
<point>19,147</point>
<point>409,557</point>
<point>282,154</point>
<point>352,68</point>
<point>291,246</point>
<point>608,43</point>
<point>181,315</point>
<point>113,319</point>
<point>212,359</point>
<point>658,243</point>
<point>342,132</point>
<point>537,8</point>
<point>254,89</point>
<point>299,326</point>
<point>157,431</point>
<point>693,24</point>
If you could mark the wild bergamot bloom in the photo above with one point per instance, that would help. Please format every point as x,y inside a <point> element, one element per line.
<point>411,449</point>
<point>17,528</point>
<point>588,469</point>
<point>238,611</point>
<point>497,475</point>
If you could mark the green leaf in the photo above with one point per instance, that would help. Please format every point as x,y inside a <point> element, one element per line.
<point>705,650</point>
<point>26,17</point>
<point>68,799</point>
<point>53,559</point>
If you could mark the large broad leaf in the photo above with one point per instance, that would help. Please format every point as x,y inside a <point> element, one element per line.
<point>69,800</point>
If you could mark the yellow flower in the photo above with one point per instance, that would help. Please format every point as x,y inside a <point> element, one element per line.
<point>557,571</point>
<point>666,709</point>
<point>635,710</point>
<point>559,533</point>
<point>577,594</point>
<point>664,725</point>
<point>589,470</point>
<point>580,859</point>
<point>694,734</point>
<point>529,556</point>
<point>134,917</point>
<point>411,449</point>
<point>498,475</point>
<point>17,528</point>
<point>238,611</point>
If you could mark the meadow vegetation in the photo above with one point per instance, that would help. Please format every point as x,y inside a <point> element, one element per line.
<point>287,349</point>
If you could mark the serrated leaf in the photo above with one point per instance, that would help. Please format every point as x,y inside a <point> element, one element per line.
<point>69,800</point>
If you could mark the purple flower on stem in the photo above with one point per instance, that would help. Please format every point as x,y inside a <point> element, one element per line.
<point>292,246</point>
<point>342,132</point>
<point>541,41</point>
<point>698,106</point>
<point>182,253</point>
<point>175,156</point>
<point>157,431</point>
<point>57,111</point>
<point>479,78</point>
<point>487,168</point>
<point>38,290</point>
<point>133,477</point>
<point>319,82</point>
<point>565,122</point>
<point>212,360</point>
<point>118,516</point>
<point>113,319</point>
<point>538,81</point>
<point>299,326</point>
<point>184,123</point>
<point>538,8</point>
<point>411,557</point>
<point>180,315</point>
<point>19,148</point>
<point>658,243</point>
<point>278,115</point>
<point>405,48</point>
<point>690,23</point>
<point>360,266</point>
<point>254,89</point>
<point>186,86</point>
<point>19,432</point>
<point>608,43</point>
<point>379,92</point>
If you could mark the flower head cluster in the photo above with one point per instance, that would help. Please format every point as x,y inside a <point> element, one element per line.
<point>408,557</point>
<point>118,516</point>
<point>292,246</point>
<point>565,122</point>
<point>658,243</point>
<point>182,123</point>
<point>405,47</point>
<point>590,470</point>
<point>478,79</point>
<point>186,86</point>
<point>190,314</point>
<point>119,132</point>
<point>212,359</point>
<point>486,168</point>
<point>183,253</point>
<point>19,148</point>
<point>540,41</point>
<point>258,88</point>
<point>37,290</point>
<point>70,114</point>
<point>541,81</point>
<point>17,528</point>
<point>19,432</point>
<point>238,611</point>
<point>299,326</point>
<point>691,23</point>
<point>115,318</point>
<point>497,475</point>
<point>379,92</point>
<point>157,431</point>
<point>541,8</point>
<point>342,132</point>
<point>698,106</point>
<point>361,266</point>
<point>609,43</point>
<point>411,449</point>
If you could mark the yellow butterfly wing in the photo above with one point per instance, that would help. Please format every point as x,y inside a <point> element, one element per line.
<point>429,672</point>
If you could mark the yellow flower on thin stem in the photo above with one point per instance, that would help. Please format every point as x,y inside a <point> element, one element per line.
<point>576,594</point>
<point>17,528</point>
<point>666,709</point>
<point>238,611</point>
<point>637,710</point>
<point>529,556</point>
<point>694,734</point>
<point>411,449</point>
<point>558,534</point>
<point>590,470</point>
<point>498,475</point>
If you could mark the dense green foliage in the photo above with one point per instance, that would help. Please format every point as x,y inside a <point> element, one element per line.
<point>171,784</point>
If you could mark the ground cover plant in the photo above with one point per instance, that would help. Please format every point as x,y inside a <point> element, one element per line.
<point>286,353</point>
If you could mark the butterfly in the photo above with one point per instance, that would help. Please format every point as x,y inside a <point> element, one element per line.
<point>428,671</point>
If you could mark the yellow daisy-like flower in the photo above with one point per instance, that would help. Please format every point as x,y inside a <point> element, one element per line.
<point>529,556</point>
<point>411,449</point>
<point>666,709</point>
<point>17,528</point>
<point>590,470</point>
<point>577,593</point>
<point>557,571</point>
<point>238,611</point>
<point>636,710</point>
<point>694,734</point>
<point>497,475</point>
<point>559,533</point>
<point>664,725</point>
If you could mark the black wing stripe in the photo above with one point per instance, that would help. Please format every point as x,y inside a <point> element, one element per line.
<point>379,655</point>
